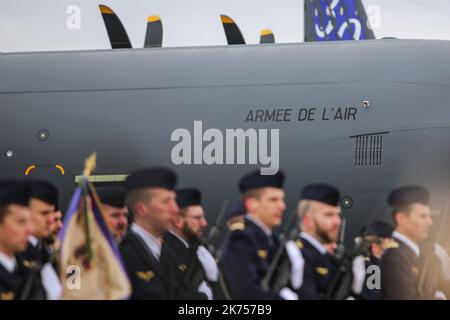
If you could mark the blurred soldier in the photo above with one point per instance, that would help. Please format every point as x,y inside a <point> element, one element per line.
<point>248,250</point>
<point>51,242</point>
<point>14,232</point>
<point>58,223</point>
<point>115,210</point>
<point>379,237</point>
<point>43,201</point>
<point>151,199</point>
<point>400,265</point>
<point>235,215</point>
<point>56,227</point>
<point>193,261</point>
<point>321,222</point>
<point>44,197</point>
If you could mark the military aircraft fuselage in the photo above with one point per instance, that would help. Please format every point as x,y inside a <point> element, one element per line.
<point>366,116</point>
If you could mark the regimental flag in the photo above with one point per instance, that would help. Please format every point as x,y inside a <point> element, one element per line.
<point>90,262</point>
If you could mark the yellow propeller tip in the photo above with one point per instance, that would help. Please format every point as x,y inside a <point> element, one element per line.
<point>105,10</point>
<point>266,32</point>
<point>226,19</point>
<point>153,18</point>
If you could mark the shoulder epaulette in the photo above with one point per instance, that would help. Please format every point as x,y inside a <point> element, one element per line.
<point>236,226</point>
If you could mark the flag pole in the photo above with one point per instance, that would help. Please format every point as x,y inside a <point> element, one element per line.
<point>89,166</point>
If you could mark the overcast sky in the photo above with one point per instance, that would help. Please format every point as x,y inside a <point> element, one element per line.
<point>30,25</point>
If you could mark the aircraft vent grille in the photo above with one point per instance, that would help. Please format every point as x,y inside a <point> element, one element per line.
<point>368,150</point>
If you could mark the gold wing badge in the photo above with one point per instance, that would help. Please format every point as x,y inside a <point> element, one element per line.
<point>145,275</point>
<point>29,263</point>
<point>322,271</point>
<point>6,296</point>
<point>262,254</point>
<point>182,267</point>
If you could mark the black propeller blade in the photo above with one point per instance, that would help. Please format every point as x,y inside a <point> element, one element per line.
<point>116,32</point>
<point>154,35</point>
<point>232,32</point>
<point>267,36</point>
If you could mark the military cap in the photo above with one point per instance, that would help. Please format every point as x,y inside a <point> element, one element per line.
<point>235,209</point>
<point>14,192</point>
<point>255,180</point>
<point>188,197</point>
<point>112,196</point>
<point>151,178</point>
<point>321,192</point>
<point>379,229</point>
<point>44,191</point>
<point>408,195</point>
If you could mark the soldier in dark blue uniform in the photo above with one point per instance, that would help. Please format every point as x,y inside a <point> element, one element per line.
<point>235,215</point>
<point>235,219</point>
<point>248,249</point>
<point>321,221</point>
<point>400,265</point>
<point>194,264</point>
<point>379,237</point>
<point>14,232</point>
<point>151,199</point>
<point>115,210</point>
<point>43,203</point>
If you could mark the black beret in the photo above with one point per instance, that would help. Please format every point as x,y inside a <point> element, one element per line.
<point>235,209</point>
<point>151,178</point>
<point>321,192</point>
<point>44,191</point>
<point>379,229</point>
<point>112,196</point>
<point>188,197</point>
<point>408,195</point>
<point>14,192</point>
<point>255,180</point>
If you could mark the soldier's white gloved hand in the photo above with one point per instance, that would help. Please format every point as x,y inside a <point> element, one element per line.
<point>204,288</point>
<point>288,294</point>
<point>439,295</point>
<point>297,264</point>
<point>50,282</point>
<point>209,264</point>
<point>359,274</point>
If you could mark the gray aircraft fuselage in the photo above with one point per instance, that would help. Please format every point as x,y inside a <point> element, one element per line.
<point>366,116</point>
